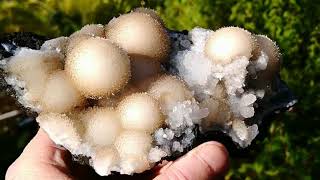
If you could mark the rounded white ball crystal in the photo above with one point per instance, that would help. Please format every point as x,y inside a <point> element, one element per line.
<point>97,67</point>
<point>59,94</point>
<point>228,43</point>
<point>169,90</point>
<point>102,126</point>
<point>149,12</point>
<point>33,67</point>
<point>105,160</point>
<point>272,50</point>
<point>135,164</point>
<point>133,148</point>
<point>93,29</point>
<point>76,39</point>
<point>140,35</point>
<point>140,111</point>
<point>133,144</point>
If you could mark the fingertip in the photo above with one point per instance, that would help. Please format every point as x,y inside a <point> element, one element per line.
<point>207,161</point>
<point>215,155</point>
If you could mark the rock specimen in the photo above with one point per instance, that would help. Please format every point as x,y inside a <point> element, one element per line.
<point>130,93</point>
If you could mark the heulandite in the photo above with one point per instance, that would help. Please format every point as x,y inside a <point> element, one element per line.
<point>130,93</point>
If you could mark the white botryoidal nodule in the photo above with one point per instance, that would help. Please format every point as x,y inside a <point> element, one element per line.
<point>102,126</point>
<point>228,43</point>
<point>33,67</point>
<point>133,148</point>
<point>140,111</point>
<point>140,35</point>
<point>169,90</point>
<point>98,67</point>
<point>133,144</point>
<point>59,94</point>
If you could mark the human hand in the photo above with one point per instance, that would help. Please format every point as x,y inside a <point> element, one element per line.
<point>42,159</point>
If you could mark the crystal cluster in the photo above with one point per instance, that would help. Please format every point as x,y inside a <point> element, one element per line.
<point>130,93</point>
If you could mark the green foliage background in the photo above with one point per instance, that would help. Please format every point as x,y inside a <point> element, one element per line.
<point>291,149</point>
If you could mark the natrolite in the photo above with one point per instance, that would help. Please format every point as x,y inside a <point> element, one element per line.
<point>140,35</point>
<point>76,39</point>
<point>169,90</point>
<point>93,29</point>
<point>272,50</point>
<point>226,44</point>
<point>102,126</point>
<point>33,67</point>
<point>60,95</point>
<point>149,12</point>
<point>139,111</point>
<point>97,67</point>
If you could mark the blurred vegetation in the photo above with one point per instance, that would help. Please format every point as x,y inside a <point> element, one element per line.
<point>291,149</point>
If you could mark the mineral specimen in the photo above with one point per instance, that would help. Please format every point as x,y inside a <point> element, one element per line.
<point>131,93</point>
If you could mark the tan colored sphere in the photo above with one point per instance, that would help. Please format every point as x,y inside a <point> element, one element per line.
<point>134,164</point>
<point>97,67</point>
<point>76,39</point>
<point>140,35</point>
<point>140,111</point>
<point>133,143</point>
<point>226,44</point>
<point>93,29</point>
<point>169,90</point>
<point>33,67</point>
<point>60,95</point>
<point>104,160</point>
<point>149,12</point>
<point>102,126</point>
<point>272,51</point>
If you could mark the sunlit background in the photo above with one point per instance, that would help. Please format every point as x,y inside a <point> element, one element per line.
<point>291,149</point>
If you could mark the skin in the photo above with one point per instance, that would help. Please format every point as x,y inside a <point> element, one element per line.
<point>42,159</point>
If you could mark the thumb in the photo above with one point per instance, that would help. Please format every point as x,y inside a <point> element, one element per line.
<point>41,158</point>
<point>207,161</point>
